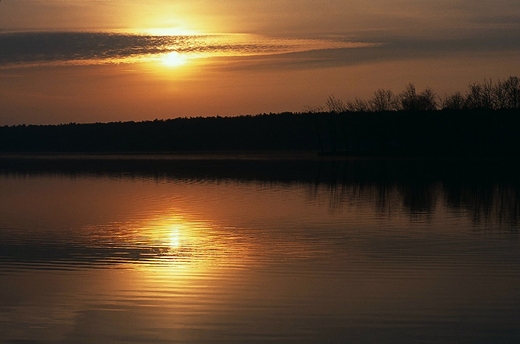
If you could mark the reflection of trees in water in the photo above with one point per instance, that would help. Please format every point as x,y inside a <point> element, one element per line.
<point>386,199</point>
<point>418,189</point>
<point>486,204</point>
<point>491,203</point>
<point>488,191</point>
<point>419,198</point>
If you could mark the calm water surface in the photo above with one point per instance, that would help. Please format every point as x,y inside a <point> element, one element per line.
<point>197,250</point>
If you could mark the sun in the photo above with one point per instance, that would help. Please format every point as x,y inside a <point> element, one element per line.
<point>174,59</point>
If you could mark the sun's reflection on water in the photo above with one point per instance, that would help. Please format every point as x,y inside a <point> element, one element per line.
<point>174,237</point>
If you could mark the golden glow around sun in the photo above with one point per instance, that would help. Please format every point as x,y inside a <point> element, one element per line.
<point>170,32</point>
<point>174,59</point>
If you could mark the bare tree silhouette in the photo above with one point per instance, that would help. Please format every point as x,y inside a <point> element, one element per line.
<point>455,101</point>
<point>358,105</point>
<point>503,94</point>
<point>384,100</point>
<point>335,105</point>
<point>487,95</point>
<point>410,100</point>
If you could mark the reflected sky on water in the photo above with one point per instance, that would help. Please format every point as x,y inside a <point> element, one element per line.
<point>257,250</point>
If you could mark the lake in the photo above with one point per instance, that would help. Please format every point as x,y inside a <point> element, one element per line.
<point>207,249</point>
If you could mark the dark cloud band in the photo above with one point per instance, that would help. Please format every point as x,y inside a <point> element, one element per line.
<point>98,47</point>
<point>35,48</point>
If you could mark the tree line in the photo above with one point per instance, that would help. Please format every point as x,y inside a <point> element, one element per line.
<point>484,121</point>
<point>489,95</point>
<point>268,132</point>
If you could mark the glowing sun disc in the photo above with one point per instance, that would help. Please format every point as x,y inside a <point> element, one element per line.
<point>174,59</point>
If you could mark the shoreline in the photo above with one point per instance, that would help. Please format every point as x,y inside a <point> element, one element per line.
<point>243,155</point>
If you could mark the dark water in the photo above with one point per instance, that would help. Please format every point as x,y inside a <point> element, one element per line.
<point>232,249</point>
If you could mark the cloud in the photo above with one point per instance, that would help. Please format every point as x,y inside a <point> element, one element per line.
<point>98,47</point>
<point>87,48</point>
<point>389,48</point>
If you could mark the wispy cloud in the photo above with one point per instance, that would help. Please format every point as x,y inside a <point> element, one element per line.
<point>390,48</point>
<point>99,48</point>
<point>94,48</point>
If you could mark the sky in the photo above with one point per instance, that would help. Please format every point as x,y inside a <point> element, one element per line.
<point>82,61</point>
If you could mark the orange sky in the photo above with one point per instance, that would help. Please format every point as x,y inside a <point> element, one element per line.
<point>348,49</point>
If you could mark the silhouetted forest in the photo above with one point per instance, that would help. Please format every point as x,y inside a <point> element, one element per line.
<point>244,133</point>
<point>483,122</point>
<point>388,133</point>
